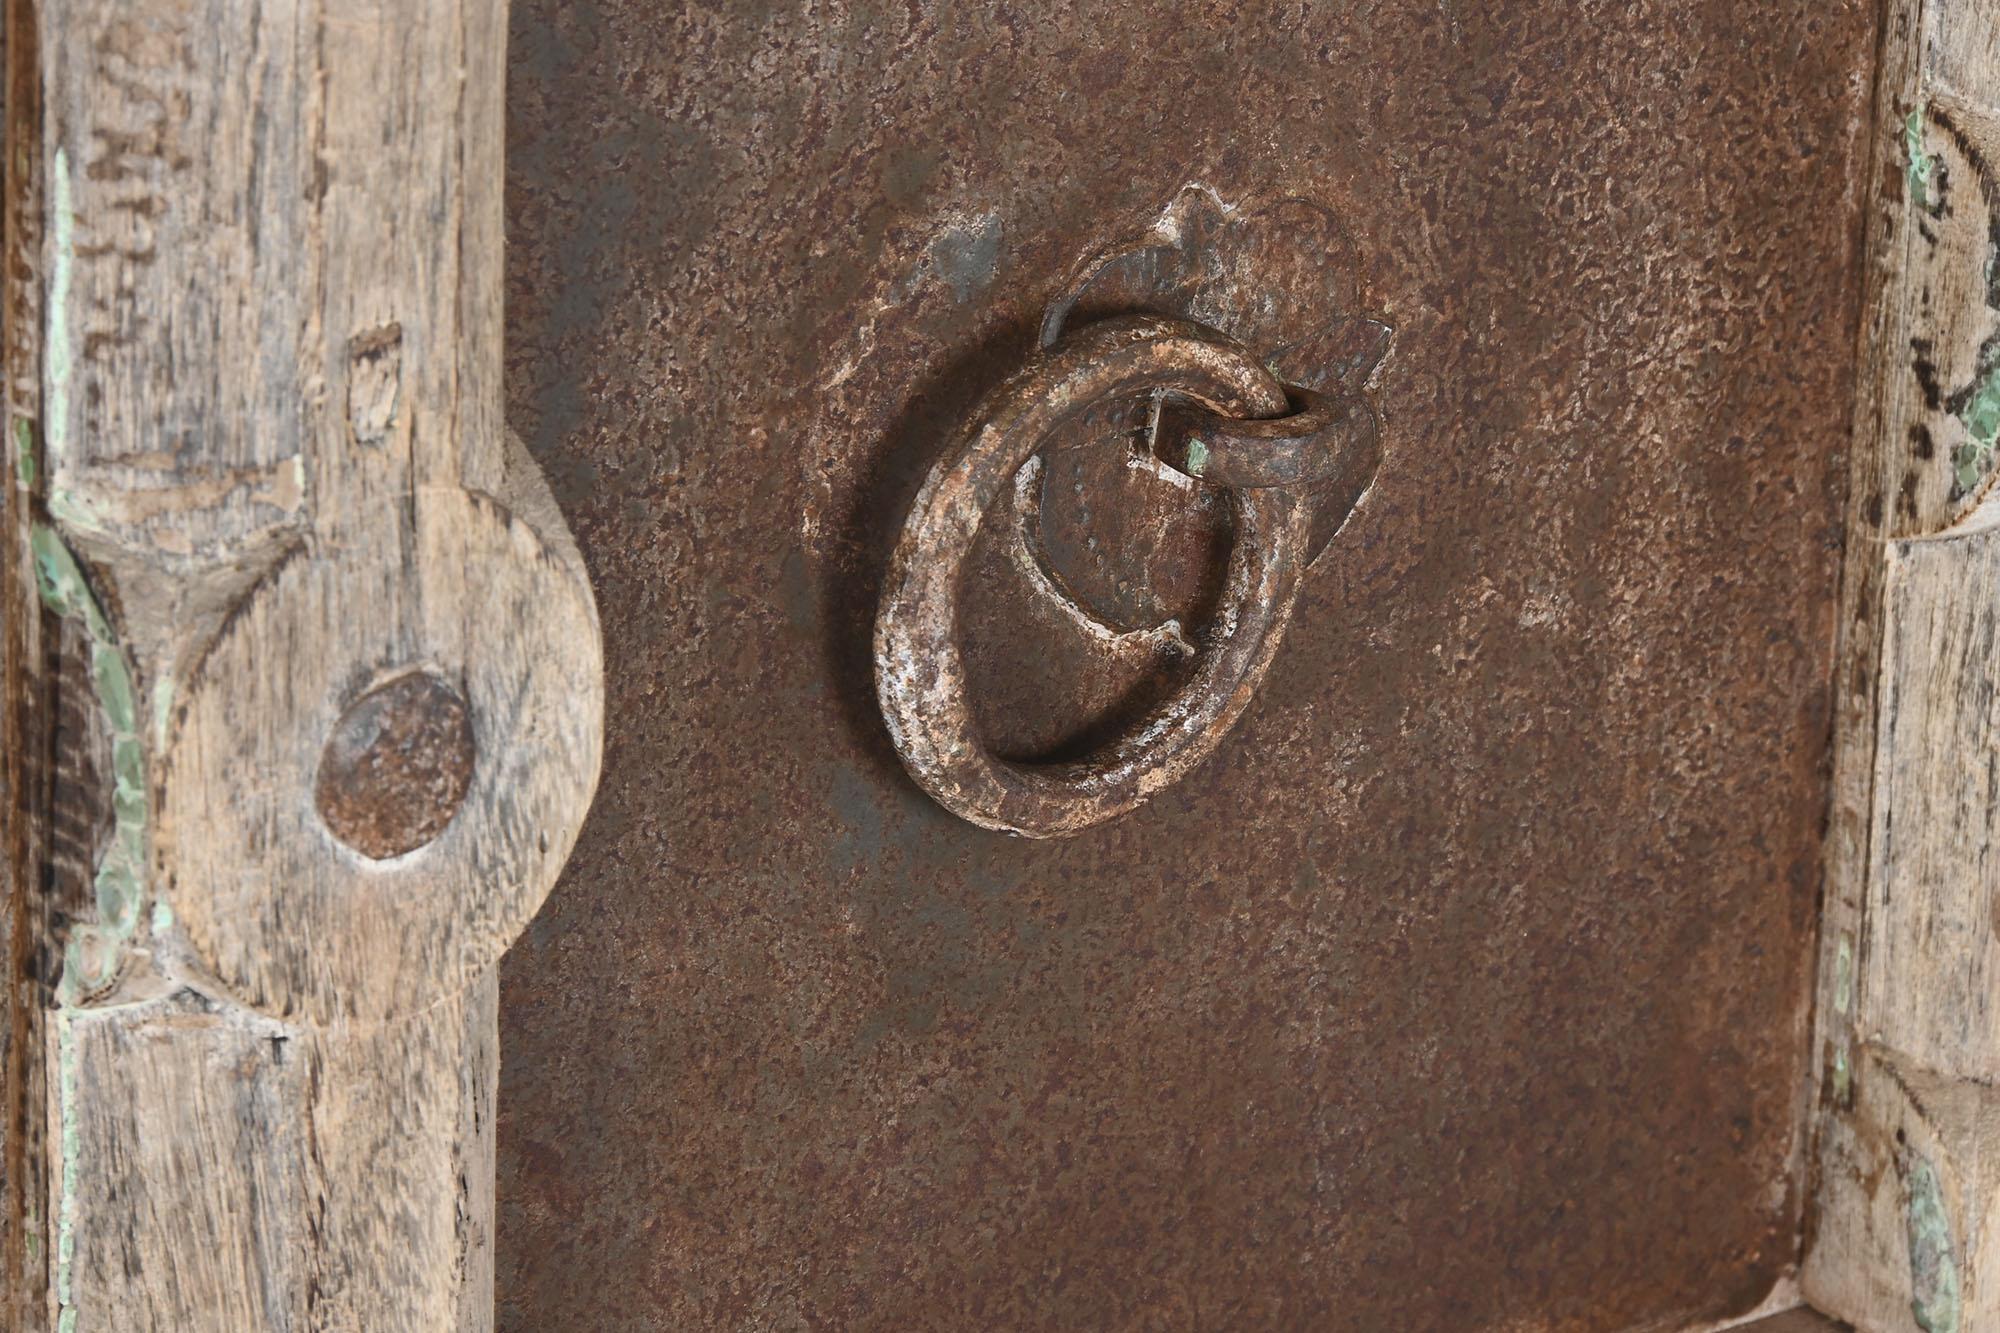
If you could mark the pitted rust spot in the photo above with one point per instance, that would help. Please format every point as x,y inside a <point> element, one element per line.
<point>397,766</point>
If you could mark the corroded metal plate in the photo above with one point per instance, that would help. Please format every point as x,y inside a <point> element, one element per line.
<point>1464,987</point>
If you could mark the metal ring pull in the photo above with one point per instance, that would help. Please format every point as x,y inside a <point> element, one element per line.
<point>1298,449</point>
<point>1247,438</point>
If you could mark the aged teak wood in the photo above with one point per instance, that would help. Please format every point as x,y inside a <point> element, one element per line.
<point>1901,1221</point>
<point>315,681</point>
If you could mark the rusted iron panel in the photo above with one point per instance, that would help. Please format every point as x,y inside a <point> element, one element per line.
<point>1464,986</point>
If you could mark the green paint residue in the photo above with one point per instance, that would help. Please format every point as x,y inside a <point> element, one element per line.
<point>1920,167</point>
<point>1981,418</point>
<point>92,954</point>
<point>24,453</point>
<point>1934,1296</point>
<point>1843,975</point>
<point>1197,457</point>
<point>1843,1077</point>
<point>64,590</point>
<point>62,221</point>
<point>74,509</point>
<point>91,959</point>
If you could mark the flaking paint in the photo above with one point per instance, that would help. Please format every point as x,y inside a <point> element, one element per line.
<point>119,883</point>
<point>1934,1293</point>
<point>1919,168</point>
<point>1981,418</point>
<point>56,345</point>
<point>25,470</point>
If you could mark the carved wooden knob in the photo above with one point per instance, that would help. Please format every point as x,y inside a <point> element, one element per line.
<point>304,887</point>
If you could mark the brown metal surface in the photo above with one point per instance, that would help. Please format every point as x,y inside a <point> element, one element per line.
<point>1464,987</point>
<point>397,766</point>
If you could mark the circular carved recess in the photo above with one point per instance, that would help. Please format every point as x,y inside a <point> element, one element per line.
<point>397,766</point>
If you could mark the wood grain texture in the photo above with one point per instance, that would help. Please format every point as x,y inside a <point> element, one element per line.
<point>1940,409</point>
<point>1910,1178</point>
<point>275,908</point>
<point>1909,1153</point>
<point>1962,50</point>
<point>1901,1226</point>
<point>1931,963</point>
<point>1910,1164</point>
<point>182,271</point>
<point>1926,415</point>
<point>1794,1321</point>
<point>276,1179</point>
<point>266,471</point>
<point>26,716</point>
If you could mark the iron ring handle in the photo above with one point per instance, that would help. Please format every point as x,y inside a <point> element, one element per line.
<point>919,669</point>
<point>1291,450</point>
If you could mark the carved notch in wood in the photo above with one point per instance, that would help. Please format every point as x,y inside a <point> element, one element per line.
<point>340,683</point>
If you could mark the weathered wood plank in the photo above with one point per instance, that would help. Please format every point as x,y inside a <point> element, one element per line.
<point>1900,1232</point>
<point>180,272</point>
<point>383,1139</point>
<point>1962,50</point>
<point>1909,1157</point>
<point>24,712</point>
<point>340,677</point>
<point>1939,380</point>
<point>1878,478</point>
<point>1931,966</point>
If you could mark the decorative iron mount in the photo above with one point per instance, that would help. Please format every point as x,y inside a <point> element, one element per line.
<point>1239,427</point>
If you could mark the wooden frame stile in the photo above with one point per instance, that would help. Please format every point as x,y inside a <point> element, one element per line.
<point>310,709</point>
<point>24,694</point>
<point>1903,1228</point>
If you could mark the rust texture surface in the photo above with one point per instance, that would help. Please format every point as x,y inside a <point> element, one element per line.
<point>397,766</point>
<point>1464,986</point>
